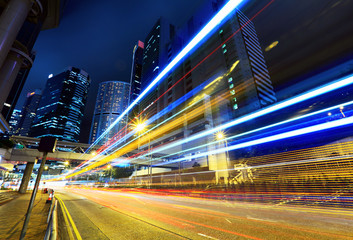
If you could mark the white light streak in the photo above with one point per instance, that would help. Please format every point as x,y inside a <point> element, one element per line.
<point>211,25</point>
<point>294,133</point>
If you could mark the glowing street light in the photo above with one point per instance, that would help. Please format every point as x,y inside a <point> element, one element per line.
<point>220,135</point>
<point>140,127</point>
<point>110,172</point>
<point>66,163</point>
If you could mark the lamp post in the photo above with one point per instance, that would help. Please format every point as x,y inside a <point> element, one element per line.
<point>110,173</point>
<point>220,136</point>
<point>140,127</point>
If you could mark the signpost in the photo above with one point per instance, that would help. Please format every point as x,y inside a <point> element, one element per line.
<point>47,144</point>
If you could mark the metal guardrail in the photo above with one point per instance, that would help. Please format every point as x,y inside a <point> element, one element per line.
<point>52,220</point>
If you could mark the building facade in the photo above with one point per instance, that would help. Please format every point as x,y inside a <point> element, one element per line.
<point>156,56</point>
<point>60,111</point>
<point>112,100</point>
<point>28,112</point>
<point>224,78</point>
<point>136,71</point>
<point>135,80</point>
<point>14,120</point>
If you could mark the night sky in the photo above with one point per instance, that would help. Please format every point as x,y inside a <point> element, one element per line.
<point>99,38</point>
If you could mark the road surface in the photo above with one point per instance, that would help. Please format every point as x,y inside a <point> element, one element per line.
<point>128,214</point>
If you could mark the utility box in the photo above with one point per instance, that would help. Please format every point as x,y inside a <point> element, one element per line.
<point>47,144</point>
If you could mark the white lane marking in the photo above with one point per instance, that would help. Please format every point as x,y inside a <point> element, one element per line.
<point>204,235</point>
<point>259,219</point>
<point>228,220</point>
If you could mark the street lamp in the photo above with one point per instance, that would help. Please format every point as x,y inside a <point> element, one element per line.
<point>140,126</point>
<point>221,137</point>
<point>110,174</point>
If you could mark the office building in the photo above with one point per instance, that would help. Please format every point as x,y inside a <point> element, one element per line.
<point>112,100</point>
<point>136,71</point>
<point>226,75</point>
<point>135,80</point>
<point>28,112</point>
<point>156,56</point>
<point>14,120</point>
<point>60,111</point>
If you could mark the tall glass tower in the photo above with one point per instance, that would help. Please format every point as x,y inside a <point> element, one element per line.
<point>112,100</point>
<point>60,111</point>
<point>29,112</point>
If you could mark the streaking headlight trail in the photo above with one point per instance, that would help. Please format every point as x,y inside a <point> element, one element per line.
<point>345,81</point>
<point>294,133</point>
<point>202,35</point>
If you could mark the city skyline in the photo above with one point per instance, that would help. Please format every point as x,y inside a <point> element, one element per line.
<point>275,67</point>
<point>215,119</point>
<point>85,31</point>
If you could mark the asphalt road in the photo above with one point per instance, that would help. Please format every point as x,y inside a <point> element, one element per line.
<point>127,214</point>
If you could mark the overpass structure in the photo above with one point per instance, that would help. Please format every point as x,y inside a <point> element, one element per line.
<point>25,150</point>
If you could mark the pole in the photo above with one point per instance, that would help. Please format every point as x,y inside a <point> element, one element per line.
<point>34,193</point>
<point>149,149</point>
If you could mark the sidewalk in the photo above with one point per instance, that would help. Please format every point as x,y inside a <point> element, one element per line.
<point>12,215</point>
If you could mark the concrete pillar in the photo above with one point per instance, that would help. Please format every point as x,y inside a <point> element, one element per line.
<point>26,177</point>
<point>217,162</point>
<point>11,21</point>
<point>8,74</point>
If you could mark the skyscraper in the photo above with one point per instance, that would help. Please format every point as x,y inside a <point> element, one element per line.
<point>135,80</point>
<point>14,120</point>
<point>112,100</point>
<point>60,111</point>
<point>136,71</point>
<point>156,56</point>
<point>28,112</point>
<point>225,77</point>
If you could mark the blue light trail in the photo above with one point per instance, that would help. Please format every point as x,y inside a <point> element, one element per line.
<point>294,133</point>
<point>345,81</point>
<point>205,32</point>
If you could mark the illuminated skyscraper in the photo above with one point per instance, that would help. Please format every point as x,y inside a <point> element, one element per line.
<point>135,80</point>
<point>60,110</point>
<point>156,55</point>
<point>225,77</point>
<point>112,100</point>
<point>136,71</point>
<point>28,112</point>
<point>14,120</point>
